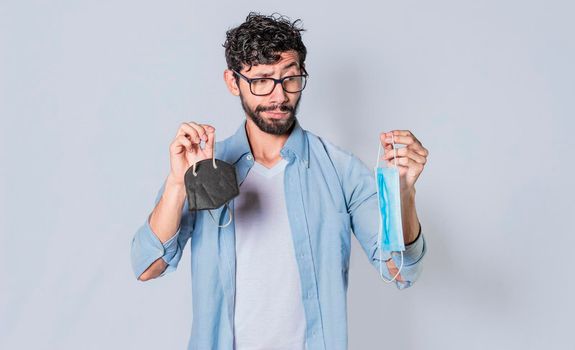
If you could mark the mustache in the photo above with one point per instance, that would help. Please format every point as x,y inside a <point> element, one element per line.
<point>282,108</point>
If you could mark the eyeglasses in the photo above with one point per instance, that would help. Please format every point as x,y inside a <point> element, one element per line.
<point>265,86</point>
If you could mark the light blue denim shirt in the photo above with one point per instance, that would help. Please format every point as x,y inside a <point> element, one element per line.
<point>329,195</point>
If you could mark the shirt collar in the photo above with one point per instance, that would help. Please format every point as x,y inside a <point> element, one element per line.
<point>296,144</point>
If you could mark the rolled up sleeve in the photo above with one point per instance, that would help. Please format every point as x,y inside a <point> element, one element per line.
<point>412,256</point>
<point>146,247</point>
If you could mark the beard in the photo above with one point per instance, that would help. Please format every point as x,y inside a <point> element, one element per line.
<point>273,126</point>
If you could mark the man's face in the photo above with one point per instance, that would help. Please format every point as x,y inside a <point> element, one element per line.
<point>274,113</point>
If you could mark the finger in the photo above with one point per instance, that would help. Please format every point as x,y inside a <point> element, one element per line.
<point>405,152</point>
<point>401,132</point>
<point>408,165</point>
<point>404,133</point>
<point>422,150</point>
<point>386,145</point>
<point>389,152</point>
<point>401,151</point>
<point>385,138</point>
<point>418,147</point>
<point>202,132</point>
<point>398,152</point>
<point>405,161</point>
<point>390,140</point>
<point>394,133</point>
<point>181,144</point>
<point>404,140</point>
<point>417,153</point>
<point>208,128</point>
<point>196,132</point>
<point>190,132</point>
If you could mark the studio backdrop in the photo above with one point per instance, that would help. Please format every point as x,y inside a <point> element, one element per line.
<point>93,92</point>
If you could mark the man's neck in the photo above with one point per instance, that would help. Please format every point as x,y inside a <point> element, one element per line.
<point>265,147</point>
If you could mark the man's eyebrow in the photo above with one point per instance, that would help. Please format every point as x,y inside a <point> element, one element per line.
<point>294,63</point>
<point>269,74</point>
<point>264,75</point>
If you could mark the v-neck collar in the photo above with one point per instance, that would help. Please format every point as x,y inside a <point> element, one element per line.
<point>269,172</point>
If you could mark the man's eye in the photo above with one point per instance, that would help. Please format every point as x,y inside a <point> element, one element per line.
<point>260,81</point>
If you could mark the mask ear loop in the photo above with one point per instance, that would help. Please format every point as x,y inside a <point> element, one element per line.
<point>380,247</point>
<point>381,270</point>
<point>215,167</point>
<point>229,221</point>
<point>394,150</point>
<point>213,160</point>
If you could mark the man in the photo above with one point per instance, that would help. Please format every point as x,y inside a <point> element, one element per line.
<point>276,278</point>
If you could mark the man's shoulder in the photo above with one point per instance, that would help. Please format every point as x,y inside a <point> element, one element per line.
<point>350,170</point>
<point>319,144</point>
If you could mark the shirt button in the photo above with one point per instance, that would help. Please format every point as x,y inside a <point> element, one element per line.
<point>249,157</point>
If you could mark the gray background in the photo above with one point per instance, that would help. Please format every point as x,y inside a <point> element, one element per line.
<point>92,93</point>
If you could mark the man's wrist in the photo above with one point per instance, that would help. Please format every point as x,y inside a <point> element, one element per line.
<point>175,188</point>
<point>408,194</point>
<point>174,182</point>
<point>416,237</point>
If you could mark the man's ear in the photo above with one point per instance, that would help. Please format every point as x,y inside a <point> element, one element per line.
<point>230,79</point>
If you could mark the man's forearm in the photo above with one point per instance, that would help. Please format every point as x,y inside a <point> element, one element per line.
<point>410,222</point>
<point>166,216</point>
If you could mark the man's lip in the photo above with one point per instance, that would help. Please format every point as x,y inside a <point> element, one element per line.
<point>276,114</point>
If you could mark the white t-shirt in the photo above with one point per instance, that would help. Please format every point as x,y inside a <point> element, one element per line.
<point>269,312</point>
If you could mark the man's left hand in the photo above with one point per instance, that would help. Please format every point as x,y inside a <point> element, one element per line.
<point>410,159</point>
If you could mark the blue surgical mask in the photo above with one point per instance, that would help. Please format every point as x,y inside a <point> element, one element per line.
<point>389,199</point>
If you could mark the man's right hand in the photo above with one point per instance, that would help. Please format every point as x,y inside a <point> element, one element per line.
<point>185,150</point>
<point>166,217</point>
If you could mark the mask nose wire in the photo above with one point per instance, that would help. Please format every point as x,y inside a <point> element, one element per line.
<point>213,159</point>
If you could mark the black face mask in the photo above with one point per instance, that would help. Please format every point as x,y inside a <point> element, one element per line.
<point>211,183</point>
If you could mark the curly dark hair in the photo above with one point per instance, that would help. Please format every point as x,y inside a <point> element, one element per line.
<point>261,39</point>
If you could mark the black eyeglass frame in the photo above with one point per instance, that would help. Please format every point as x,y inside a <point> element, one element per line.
<point>280,81</point>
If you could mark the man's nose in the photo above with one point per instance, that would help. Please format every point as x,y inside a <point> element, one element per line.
<point>278,95</point>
